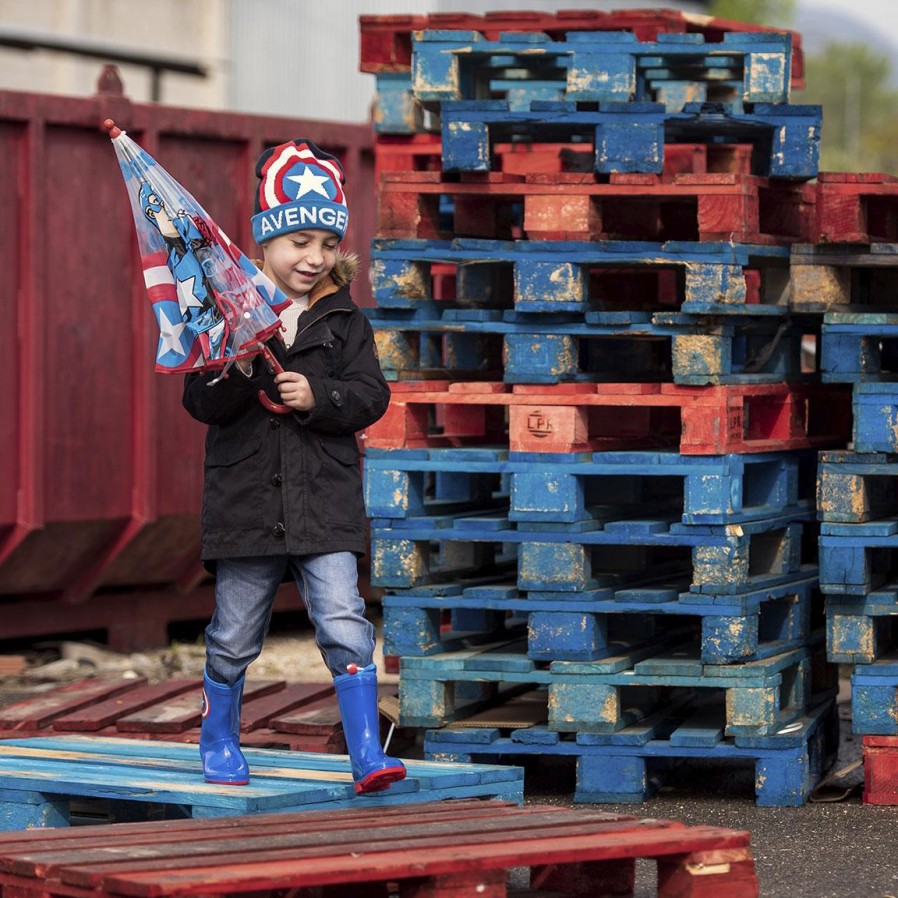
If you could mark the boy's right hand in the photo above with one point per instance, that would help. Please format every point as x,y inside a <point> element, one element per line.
<point>295,391</point>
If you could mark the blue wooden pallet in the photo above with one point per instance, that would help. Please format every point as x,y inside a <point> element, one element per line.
<point>856,559</point>
<point>607,695</point>
<point>610,346</point>
<point>573,557</point>
<point>843,277</point>
<point>40,777</point>
<point>630,137</point>
<point>861,629</point>
<point>875,409</point>
<point>854,488</point>
<point>563,488</point>
<point>600,623</point>
<point>625,766</point>
<point>859,346</point>
<point>598,67</point>
<point>556,276</point>
<point>874,697</point>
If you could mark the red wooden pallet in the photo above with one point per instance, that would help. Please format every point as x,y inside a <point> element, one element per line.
<point>583,206</point>
<point>881,770</point>
<point>432,850</point>
<point>710,420</point>
<point>423,152</point>
<point>386,41</point>
<point>275,714</point>
<point>856,208</point>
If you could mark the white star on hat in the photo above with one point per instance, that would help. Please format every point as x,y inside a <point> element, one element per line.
<point>309,183</point>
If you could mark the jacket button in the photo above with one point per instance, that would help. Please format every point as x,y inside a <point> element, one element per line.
<point>274,423</point>
<point>335,395</point>
<point>279,530</point>
<point>329,372</point>
<point>277,480</point>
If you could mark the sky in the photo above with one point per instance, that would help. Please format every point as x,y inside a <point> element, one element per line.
<point>880,15</point>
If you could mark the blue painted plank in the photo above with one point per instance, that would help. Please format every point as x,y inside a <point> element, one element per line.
<point>787,767</point>
<point>630,137</point>
<point>39,777</point>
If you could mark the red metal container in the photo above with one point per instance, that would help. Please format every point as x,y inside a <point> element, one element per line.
<point>102,468</point>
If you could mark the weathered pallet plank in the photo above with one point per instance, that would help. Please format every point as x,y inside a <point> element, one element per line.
<point>39,778</point>
<point>599,623</point>
<point>569,487</point>
<point>437,847</point>
<point>433,341</point>
<point>628,766</point>
<point>631,137</point>
<point>710,420</point>
<point>583,206</point>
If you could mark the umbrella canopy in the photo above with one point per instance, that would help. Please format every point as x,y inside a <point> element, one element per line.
<point>211,303</point>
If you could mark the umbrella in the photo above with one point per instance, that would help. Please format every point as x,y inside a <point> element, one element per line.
<point>213,306</point>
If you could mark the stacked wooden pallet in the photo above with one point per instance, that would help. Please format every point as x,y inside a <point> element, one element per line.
<point>592,497</point>
<point>848,277</point>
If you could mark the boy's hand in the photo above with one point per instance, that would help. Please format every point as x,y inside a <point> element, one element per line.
<point>295,391</point>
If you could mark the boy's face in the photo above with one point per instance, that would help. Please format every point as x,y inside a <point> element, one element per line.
<point>298,260</point>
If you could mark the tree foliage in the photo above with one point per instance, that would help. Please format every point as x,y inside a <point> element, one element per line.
<point>860,108</point>
<point>850,81</point>
<point>762,12</point>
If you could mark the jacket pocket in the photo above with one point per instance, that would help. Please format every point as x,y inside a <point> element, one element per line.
<point>223,455</point>
<point>342,478</point>
<point>344,451</point>
<point>233,495</point>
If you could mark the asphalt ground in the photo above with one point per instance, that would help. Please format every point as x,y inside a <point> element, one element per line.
<point>825,849</point>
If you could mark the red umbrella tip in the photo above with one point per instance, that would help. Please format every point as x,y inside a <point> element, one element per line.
<point>112,128</point>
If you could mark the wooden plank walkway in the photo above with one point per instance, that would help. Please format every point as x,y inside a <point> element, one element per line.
<point>39,778</point>
<point>431,851</point>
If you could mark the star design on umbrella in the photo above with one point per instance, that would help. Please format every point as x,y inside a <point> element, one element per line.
<point>169,334</point>
<point>187,297</point>
<point>309,183</point>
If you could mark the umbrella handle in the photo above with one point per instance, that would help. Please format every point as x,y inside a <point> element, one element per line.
<point>276,408</point>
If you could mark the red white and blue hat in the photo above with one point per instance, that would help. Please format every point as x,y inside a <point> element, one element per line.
<point>300,189</point>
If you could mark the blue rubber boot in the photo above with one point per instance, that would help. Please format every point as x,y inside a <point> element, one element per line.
<point>223,762</point>
<point>372,770</point>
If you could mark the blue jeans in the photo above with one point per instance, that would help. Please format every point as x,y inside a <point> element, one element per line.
<point>244,594</point>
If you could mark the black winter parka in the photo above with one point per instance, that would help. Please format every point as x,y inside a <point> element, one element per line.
<point>291,484</point>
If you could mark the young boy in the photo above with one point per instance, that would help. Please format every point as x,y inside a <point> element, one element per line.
<point>283,493</point>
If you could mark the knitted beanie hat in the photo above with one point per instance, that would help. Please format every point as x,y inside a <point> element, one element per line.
<point>300,188</point>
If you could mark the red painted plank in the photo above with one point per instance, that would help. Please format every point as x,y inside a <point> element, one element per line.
<point>424,859</point>
<point>297,839</point>
<point>103,714</point>
<point>183,712</point>
<point>41,843</point>
<point>320,718</point>
<point>707,420</point>
<point>258,712</point>
<point>41,710</point>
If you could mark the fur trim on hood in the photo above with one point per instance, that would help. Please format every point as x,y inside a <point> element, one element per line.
<point>345,268</point>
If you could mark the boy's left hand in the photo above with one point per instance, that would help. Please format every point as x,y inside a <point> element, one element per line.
<point>295,391</point>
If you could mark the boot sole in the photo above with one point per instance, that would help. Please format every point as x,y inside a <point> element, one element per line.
<point>226,782</point>
<point>380,780</point>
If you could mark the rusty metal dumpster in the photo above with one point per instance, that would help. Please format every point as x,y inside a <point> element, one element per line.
<point>100,467</point>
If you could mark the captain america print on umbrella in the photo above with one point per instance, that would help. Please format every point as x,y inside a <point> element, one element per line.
<point>211,303</point>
